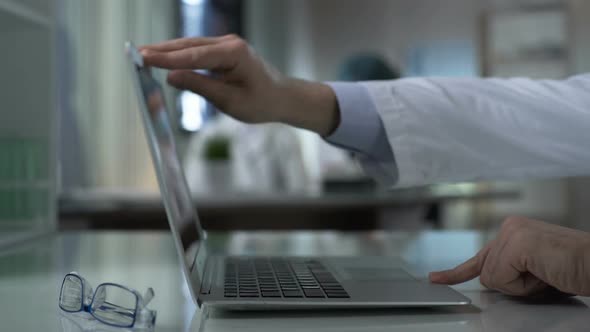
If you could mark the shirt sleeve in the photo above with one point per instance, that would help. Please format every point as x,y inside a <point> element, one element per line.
<point>361,131</point>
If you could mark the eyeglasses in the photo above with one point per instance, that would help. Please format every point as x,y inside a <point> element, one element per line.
<point>111,304</point>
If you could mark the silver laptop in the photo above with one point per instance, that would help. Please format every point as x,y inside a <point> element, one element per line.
<point>256,282</point>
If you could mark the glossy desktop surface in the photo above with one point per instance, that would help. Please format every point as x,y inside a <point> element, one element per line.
<point>30,276</point>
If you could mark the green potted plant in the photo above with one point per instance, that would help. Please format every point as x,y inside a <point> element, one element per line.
<point>217,149</point>
<point>217,157</point>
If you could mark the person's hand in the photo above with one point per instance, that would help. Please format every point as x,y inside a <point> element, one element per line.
<point>242,85</point>
<point>528,257</point>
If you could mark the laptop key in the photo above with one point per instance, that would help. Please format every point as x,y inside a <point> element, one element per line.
<point>310,286</point>
<point>271,294</point>
<point>289,289</point>
<point>335,291</point>
<point>337,295</point>
<point>330,285</point>
<point>308,282</point>
<point>288,284</point>
<point>248,286</point>
<point>292,294</point>
<point>269,287</point>
<point>314,293</point>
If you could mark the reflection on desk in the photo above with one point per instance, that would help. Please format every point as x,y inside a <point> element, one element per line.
<point>30,276</point>
<point>490,313</point>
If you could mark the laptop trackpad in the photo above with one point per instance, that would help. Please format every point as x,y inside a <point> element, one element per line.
<point>374,274</point>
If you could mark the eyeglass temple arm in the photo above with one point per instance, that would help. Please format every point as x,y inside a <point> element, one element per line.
<point>148,296</point>
<point>146,318</point>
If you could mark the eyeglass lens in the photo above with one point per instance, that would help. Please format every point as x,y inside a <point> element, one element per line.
<point>114,305</point>
<point>70,298</point>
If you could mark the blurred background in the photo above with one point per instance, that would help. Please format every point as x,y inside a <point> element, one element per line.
<point>73,153</point>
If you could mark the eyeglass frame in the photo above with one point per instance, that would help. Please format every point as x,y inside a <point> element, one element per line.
<point>88,308</point>
<point>70,321</point>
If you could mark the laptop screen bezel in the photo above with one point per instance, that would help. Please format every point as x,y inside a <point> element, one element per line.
<point>194,270</point>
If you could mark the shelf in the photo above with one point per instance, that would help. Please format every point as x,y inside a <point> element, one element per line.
<point>14,14</point>
<point>10,238</point>
<point>529,60</point>
<point>27,132</point>
<point>25,185</point>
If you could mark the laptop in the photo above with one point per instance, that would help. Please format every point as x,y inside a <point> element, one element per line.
<point>261,282</point>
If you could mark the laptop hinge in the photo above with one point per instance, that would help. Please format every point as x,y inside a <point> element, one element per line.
<point>208,276</point>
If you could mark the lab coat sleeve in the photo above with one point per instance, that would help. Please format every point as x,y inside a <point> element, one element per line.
<point>467,129</point>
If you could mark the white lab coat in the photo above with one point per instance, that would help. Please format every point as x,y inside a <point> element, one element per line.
<point>449,129</point>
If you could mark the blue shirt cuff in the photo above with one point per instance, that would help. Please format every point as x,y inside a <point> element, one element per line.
<point>361,129</point>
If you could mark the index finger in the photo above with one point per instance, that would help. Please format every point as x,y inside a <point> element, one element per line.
<point>215,56</point>
<point>463,272</point>
<point>182,43</point>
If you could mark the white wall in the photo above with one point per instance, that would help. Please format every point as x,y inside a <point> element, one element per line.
<point>579,188</point>
<point>343,27</point>
<point>99,91</point>
<point>580,13</point>
<point>309,38</point>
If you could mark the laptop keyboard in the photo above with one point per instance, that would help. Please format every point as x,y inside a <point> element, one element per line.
<point>279,278</point>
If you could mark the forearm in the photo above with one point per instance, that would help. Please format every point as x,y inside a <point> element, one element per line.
<point>345,115</point>
<point>308,105</point>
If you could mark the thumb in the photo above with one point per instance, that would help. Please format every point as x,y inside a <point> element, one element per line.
<point>217,92</point>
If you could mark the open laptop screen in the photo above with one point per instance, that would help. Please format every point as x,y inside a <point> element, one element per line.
<point>173,187</point>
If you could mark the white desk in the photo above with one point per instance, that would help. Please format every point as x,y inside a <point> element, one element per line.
<point>30,276</point>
